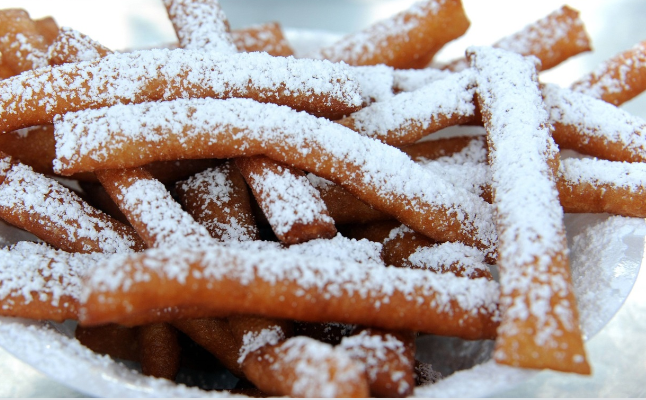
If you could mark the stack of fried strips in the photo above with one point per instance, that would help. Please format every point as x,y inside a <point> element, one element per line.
<point>283,212</point>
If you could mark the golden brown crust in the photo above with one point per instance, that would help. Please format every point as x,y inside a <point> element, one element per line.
<point>267,37</point>
<point>159,350</point>
<point>283,298</point>
<point>213,334</point>
<point>434,26</point>
<point>114,340</point>
<point>290,222</point>
<point>388,357</point>
<point>230,209</point>
<point>618,79</point>
<point>21,44</point>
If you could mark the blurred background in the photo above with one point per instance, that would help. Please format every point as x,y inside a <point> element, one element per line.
<point>613,25</point>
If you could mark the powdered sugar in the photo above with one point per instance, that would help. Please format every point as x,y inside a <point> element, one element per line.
<point>322,368</point>
<point>289,199</point>
<point>24,191</point>
<point>360,164</point>
<point>161,216</point>
<point>543,36</point>
<point>612,75</point>
<point>408,80</point>
<point>374,350</point>
<point>200,25</point>
<point>358,47</point>
<point>450,256</point>
<point>252,341</point>
<point>375,81</point>
<point>595,118</point>
<point>443,98</point>
<point>631,176</point>
<point>166,74</point>
<point>28,269</point>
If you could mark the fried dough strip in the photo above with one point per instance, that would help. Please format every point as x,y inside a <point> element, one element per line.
<point>552,39</point>
<point>39,282</point>
<point>21,45</point>
<point>344,208</point>
<point>540,325</point>
<point>200,25</point>
<point>214,334</point>
<point>294,366</point>
<point>409,116</point>
<point>408,39</point>
<point>292,206</point>
<point>71,46</point>
<point>221,281</point>
<point>597,186</point>
<point>114,340</point>
<point>221,129</point>
<point>266,37</point>
<point>403,247</point>
<point>34,146</point>
<point>48,29</point>
<point>584,185</point>
<point>594,127</point>
<point>155,215</point>
<point>444,147</point>
<point>408,80</point>
<point>55,214</point>
<point>160,221</point>
<point>159,350</point>
<point>319,87</point>
<point>218,198</point>
<point>618,79</point>
<point>388,357</point>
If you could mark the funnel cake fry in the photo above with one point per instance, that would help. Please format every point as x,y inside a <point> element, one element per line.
<point>109,138</point>
<point>409,39</point>
<point>57,215</point>
<point>200,25</point>
<point>539,327</point>
<point>222,281</point>
<point>267,37</point>
<point>409,116</point>
<point>150,209</point>
<point>552,39</point>
<point>291,204</point>
<point>319,87</point>
<point>39,282</point>
<point>218,198</point>
<point>618,79</point>
<point>387,356</point>
<point>71,45</point>
<point>594,127</point>
<point>22,46</point>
